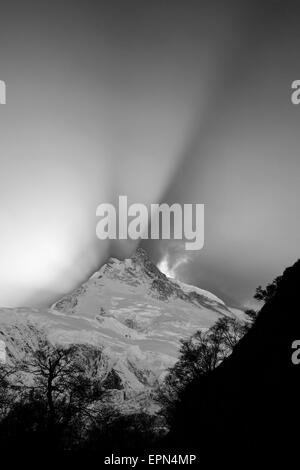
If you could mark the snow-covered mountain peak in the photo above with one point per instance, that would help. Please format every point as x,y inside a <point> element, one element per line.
<point>135,270</point>
<point>133,311</point>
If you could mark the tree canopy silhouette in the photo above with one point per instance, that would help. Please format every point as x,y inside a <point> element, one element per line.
<point>267,293</point>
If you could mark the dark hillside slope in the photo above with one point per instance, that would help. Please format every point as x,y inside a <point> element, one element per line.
<point>250,405</point>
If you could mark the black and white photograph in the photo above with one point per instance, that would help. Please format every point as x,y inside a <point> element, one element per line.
<point>150,231</point>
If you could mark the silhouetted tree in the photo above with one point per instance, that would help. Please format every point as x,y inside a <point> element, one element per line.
<point>68,380</point>
<point>200,354</point>
<point>251,314</point>
<point>6,391</point>
<point>269,291</point>
<point>135,432</point>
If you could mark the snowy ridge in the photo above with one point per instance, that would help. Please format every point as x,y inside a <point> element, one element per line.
<point>128,308</point>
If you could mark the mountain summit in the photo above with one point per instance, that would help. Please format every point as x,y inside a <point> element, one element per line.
<point>130,309</point>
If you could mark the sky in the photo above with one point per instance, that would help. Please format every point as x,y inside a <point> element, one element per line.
<point>162,101</point>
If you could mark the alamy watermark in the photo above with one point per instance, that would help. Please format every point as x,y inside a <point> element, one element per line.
<point>136,221</point>
<point>296,354</point>
<point>2,92</point>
